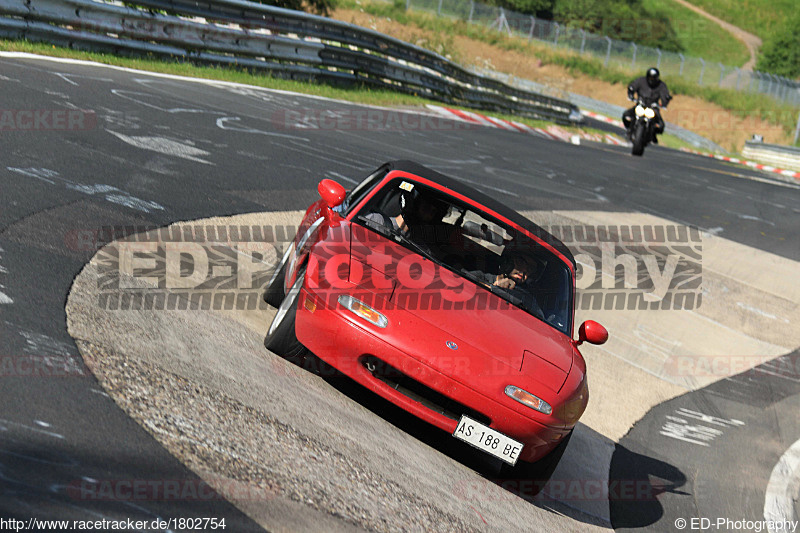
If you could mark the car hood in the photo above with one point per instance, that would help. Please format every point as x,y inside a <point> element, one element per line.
<point>491,325</point>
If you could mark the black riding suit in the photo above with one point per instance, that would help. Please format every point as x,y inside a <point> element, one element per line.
<point>649,95</point>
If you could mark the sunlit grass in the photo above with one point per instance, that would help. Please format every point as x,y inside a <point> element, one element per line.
<point>760,17</point>
<point>364,95</point>
<point>699,36</point>
<point>739,103</point>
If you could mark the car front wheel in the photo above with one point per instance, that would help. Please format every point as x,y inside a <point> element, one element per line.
<point>281,338</point>
<point>273,294</point>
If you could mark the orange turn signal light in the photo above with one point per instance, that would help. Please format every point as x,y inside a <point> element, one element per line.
<point>363,310</point>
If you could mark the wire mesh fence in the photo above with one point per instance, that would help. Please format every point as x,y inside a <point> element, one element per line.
<point>621,54</point>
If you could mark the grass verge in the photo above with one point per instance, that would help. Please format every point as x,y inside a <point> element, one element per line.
<point>361,95</point>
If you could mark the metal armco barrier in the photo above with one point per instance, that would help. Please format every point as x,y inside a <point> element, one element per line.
<point>282,42</point>
<point>773,154</point>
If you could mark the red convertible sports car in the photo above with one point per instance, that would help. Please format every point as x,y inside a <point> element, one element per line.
<point>443,301</point>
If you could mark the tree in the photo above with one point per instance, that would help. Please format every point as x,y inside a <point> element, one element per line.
<point>781,52</point>
<point>539,8</point>
<point>625,20</point>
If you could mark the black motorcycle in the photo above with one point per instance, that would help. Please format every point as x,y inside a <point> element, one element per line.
<point>643,126</point>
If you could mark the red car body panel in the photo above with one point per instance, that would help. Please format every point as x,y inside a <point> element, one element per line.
<point>467,348</point>
<point>342,342</point>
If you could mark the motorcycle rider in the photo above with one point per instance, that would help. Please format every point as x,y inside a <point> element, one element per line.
<point>650,89</point>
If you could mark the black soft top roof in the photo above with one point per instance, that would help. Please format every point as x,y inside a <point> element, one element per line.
<point>490,203</point>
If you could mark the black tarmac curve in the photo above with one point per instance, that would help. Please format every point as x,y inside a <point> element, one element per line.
<point>151,150</point>
<point>709,454</point>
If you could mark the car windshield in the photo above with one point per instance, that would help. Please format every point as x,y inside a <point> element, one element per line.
<point>492,255</point>
<point>361,190</point>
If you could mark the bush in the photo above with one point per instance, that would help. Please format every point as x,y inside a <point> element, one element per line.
<point>781,52</point>
<point>540,8</point>
<point>320,7</point>
<point>626,20</point>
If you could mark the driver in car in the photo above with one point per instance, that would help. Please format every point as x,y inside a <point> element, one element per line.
<point>515,271</point>
<point>416,210</point>
<point>420,214</point>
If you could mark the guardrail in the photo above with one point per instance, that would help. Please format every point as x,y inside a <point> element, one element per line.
<point>285,43</point>
<point>773,154</point>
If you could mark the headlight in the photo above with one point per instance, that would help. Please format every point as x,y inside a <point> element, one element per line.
<point>530,400</point>
<point>639,110</point>
<point>649,113</point>
<point>363,310</point>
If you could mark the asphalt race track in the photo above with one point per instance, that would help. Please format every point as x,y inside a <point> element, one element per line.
<point>758,405</point>
<point>134,149</point>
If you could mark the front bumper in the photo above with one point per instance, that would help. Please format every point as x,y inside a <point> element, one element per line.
<point>344,341</point>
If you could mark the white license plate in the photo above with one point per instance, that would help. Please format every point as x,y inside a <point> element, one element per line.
<point>488,440</point>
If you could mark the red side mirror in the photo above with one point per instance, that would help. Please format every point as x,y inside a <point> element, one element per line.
<point>592,332</point>
<point>331,192</point>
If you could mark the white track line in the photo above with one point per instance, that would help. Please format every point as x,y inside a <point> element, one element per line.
<point>782,488</point>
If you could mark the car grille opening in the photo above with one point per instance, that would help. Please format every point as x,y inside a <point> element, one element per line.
<point>418,392</point>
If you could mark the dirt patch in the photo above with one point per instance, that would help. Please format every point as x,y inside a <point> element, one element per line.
<point>694,114</point>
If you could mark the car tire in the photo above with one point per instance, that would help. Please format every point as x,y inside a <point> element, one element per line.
<point>540,470</point>
<point>273,293</point>
<point>281,338</point>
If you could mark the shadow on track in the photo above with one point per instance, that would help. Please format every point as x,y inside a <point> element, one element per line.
<point>525,482</point>
<point>726,437</point>
<point>634,501</point>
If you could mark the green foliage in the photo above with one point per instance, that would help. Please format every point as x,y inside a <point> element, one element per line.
<point>781,52</point>
<point>626,20</point>
<point>540,8</point>
<point>321,7</point>
<point>760,17</point>
<point>698,36</point>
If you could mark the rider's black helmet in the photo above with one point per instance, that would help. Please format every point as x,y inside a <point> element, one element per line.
<point>652,77</point>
